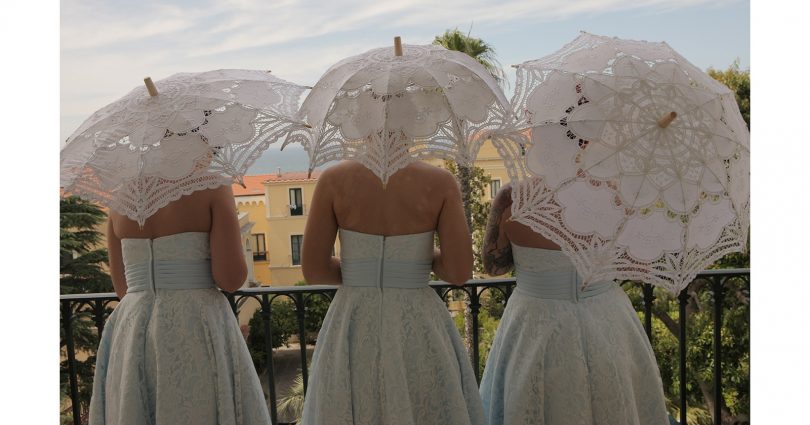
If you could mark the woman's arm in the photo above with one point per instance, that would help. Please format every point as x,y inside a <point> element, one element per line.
<point>453,262</point>
<point>497,250</point>
<point>116,260</point>
<point>317,262</point>
<point>228,265</point>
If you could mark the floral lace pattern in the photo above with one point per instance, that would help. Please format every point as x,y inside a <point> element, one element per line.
<point>201,131</point>
<point>174,356</point>
<point>596,347</point>
<point>623,195</point>
<point>390,356</point>
<point>386,111</point>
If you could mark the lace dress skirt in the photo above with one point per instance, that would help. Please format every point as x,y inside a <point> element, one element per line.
<point>388,351</point>
<point>564,356</point>
<point>172,352</point>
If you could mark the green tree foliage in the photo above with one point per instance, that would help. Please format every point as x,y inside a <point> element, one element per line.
<point>735,343</point>
<point>81,270</point>
<point>739,81</point>
<point>284,324</point>
<point>292,403</point>
<point>489,316</point>
<point>473,182</point>
<point>478,182</point>
<point>316,307</point>
<point>476,48</point>
<point>81,259</point>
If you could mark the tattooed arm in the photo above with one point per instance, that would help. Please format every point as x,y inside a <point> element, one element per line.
<point>497,249</point>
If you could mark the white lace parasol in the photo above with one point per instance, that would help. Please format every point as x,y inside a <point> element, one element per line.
<point>199,131</point>
<point>637,163</point>
<point>385,110</point>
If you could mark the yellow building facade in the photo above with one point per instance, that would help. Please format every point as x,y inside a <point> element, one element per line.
<point>490,161</point>
<point>276,206</point>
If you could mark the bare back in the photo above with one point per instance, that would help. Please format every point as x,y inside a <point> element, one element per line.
<point>418,198</point>
<point>191,213</point>
<point>410,202</point>
<point>211,211</point>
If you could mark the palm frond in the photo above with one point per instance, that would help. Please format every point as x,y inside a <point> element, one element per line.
<point>476,48</point>
<point>292,402</point>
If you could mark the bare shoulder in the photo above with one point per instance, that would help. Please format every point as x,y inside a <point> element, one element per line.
<point>217,195</point>
<point>346,166</point>
<point>339,171</point>
<point>223,191</point>
<point>113,222</point>
<point>436,175</point>
<point>432,169</point>
<point>334,178</point>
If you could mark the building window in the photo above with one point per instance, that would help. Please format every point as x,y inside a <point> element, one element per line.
<point>258,247</point>
<point>295,245</point>
<point>494,187</point>
<point>296,202</point>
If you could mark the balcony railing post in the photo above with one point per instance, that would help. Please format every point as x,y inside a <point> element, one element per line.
<point>683,300</point>
<point>268,346</point>
<point>508,293</point>
<point>232,302</point>
<point>649,297</point>
<point>475,308</point>
<point>98,313</point>
<point>718,293</point>
<point>300,307</point>
<point>67,321</point>
<point>440,293</point>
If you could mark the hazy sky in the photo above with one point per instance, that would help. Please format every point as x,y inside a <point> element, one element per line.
<point>109,46</point>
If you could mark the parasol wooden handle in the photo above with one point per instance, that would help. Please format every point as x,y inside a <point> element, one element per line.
<point>666,120</point>
<point>150,86</point>
<point>397,46</point>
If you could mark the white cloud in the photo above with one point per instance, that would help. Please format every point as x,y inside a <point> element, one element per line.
<point>108,46</point>
<point>223,26</point>
<point>91,23</point>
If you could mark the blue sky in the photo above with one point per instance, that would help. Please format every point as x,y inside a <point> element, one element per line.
<point>107,47</point>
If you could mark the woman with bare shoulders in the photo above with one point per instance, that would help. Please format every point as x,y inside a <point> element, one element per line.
<point>388,351</point>
<point>172,352</point>
<point>563,354</point>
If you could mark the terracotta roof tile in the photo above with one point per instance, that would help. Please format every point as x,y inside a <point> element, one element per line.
<point>254,185</point>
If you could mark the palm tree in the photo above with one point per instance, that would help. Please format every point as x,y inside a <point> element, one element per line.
<point>476,48</point>
<point>484,53</point>
<point>293,402</point>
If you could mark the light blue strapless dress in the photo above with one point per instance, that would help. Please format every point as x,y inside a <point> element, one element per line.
<point>567,356</point>
<point>172,352</point>
<point>388,352</point>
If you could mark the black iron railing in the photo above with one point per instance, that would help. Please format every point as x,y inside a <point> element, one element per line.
<point>717,281</point>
